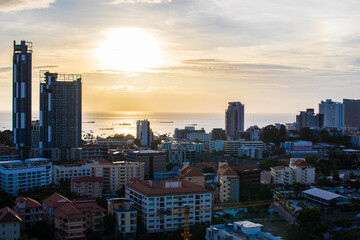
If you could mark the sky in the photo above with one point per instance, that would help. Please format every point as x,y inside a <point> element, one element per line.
<point>276,56</point>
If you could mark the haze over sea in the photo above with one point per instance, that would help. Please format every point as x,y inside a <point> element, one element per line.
<point>104,124</point>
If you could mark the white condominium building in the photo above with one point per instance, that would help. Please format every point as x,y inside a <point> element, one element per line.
<point>115,174</point>
<point>22,176</point>
<point>299,171</point>
<point>153,197</point>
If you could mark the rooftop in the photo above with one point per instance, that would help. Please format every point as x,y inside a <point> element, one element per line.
<point>7,215</point>
<point>246,167</point>
<point>56,200</point>
<point>226,170</point>
<point>301,163</point>
<point>29,202</point>
<point>317,192</point>
<point>190,171</point>
<point>166,188</point>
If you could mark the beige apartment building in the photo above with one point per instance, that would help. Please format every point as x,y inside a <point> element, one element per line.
<point>298,171</point>
<point>192,174</point>
<point>87,186</point>
<point>115,174</point>
<point>228,181</point>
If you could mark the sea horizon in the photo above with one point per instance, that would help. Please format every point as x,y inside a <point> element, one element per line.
<point>110,123</point>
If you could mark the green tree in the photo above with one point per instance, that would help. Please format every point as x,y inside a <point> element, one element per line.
<point>208,170</point>
<point>305,134</point>
<point>169,166</point>
<point>109,225</point>
<point>344,222</point>
<point>270,134</point>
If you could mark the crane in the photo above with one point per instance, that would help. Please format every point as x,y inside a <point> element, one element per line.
<point>215,207</point>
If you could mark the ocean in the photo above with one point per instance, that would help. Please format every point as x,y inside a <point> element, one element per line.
<point>161,123</point>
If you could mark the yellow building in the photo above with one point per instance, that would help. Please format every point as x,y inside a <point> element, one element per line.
<point>87,186</point>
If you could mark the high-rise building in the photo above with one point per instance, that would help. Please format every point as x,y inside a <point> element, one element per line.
<point>60,111</point>
<point>352,113</point>
<point>333,114</point>
<point>144,132</point>
<point>22,60</point>
<point>309,119</point>
<point>234,118</point>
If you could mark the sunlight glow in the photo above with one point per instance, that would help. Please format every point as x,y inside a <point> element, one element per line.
<point>129,50</point>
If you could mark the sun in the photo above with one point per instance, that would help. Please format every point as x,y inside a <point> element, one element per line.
<point>129,50</point>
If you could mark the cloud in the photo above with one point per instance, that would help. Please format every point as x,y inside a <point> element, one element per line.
<point>217,65</point>
<point>19,5</point>
<point>5,69</point>
<point>140,1</point>
<point>45,66</point>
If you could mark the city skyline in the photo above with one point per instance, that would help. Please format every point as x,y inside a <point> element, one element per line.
<point>186,56</point>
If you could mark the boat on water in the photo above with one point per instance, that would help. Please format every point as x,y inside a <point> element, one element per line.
<point>106,128</point>
<point>167,122</point>
<point>89,122</point>
<point>192,124</point>
<point>122,124</point>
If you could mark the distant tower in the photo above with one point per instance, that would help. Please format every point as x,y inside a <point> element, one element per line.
<point>234,118</point>
<point>22,59</point>
<point>60,112</point>
<point>333,114</point>
<point>144,132</point>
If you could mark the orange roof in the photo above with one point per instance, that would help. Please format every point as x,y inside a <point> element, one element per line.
<point>248,167</point>
<point>301,163</point>
<point>88,206</point>
<point>212,165</point>
<point>7,215</point>
<point>56,200</point>
<point>87,179</point>
<point>29,202</point>
<point>190,171</point>
<point>68,211</point>
<point>144,188</point>
<point>226,170</point>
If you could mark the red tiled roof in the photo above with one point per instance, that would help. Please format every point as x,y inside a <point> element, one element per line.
<point>190,171</point>
<point>212,165</point>
<point>226,170</point>
<point>87,179</point>
<point>7,215</point>
<point>279,167</point>
<point>68,211</point>
<point>29,202</point>
<point>144,188</point>
<point>56,200</point>
<point>88,207</point>
<point>301,163</point>
<point>246,167</point>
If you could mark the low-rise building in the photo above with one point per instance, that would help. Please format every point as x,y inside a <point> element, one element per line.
<point>298,171</point>
<point>22,176</point>
<point>8,153</point>
<point>69,223</point>
<point>94,151</point>
<point>303,171</point>
<point>115,174</point>
<point>216,146</point>
<point>125,215</point>
<point>229,184</point>
<point>282,175</point>
<point>87,186</point>
<point>323,197</point>
<point>153,197</point>
<point>241,230</point>
<point>192,174</point>
<point>94,214</point>
<point>9,224</point>
<point>29,210</point>
<point>51,203</point>
<point>232,147</point>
